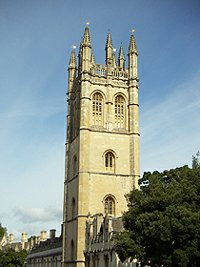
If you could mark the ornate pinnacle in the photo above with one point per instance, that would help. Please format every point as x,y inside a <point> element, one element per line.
<point>93,59</point>
<point>121,53</point>
<point>72,61</point>
<point>114,58</point>
<point>86,36</point>
<point>132,44</point>
<point>121,58</point>
<point>109,41</point>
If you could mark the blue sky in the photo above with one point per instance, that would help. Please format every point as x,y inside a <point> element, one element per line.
<point>36,39</point>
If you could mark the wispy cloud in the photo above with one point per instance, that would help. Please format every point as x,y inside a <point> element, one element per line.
<point>36,215</point>
<point>170,129</point>
<point>29,108</point>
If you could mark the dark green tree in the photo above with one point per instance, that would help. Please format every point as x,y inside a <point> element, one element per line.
<point>162,224</point>
<point>11,258</point>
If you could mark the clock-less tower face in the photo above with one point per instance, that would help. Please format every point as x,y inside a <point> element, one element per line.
<point>102,148</point>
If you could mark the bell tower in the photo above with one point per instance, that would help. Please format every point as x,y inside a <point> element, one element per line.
<point>102,144</point>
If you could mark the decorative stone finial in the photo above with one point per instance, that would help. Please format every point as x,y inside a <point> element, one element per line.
<point>132,44</point>
<point>72,61</point>
<point>133,30</point>
<point>109,40</point>
<point>86,36</point>
<point>121,58</point>
<point>92,59</point>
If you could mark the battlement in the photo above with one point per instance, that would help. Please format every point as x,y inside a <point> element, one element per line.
<point>102,70</point>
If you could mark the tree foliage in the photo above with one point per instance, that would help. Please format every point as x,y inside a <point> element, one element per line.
<point>162,224</point>
<point>11,258</point>
<point>2,231</point>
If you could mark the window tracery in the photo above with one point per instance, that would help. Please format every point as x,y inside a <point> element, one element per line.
<point>97,109</point>
<point>109,205</point>
<point>110,161</point>
<point>119,112</point>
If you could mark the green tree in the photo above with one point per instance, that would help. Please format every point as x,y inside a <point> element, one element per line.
<point>11,258</point>
<point>162,224</point>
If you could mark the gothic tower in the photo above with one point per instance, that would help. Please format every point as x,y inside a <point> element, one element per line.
<point>102,146</point>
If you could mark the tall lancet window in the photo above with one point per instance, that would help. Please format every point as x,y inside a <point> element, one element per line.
<point>72,250</point>
<point>97,109</point>
<point>110,162</point>
<point>109,205</point>
<point>120,112</point>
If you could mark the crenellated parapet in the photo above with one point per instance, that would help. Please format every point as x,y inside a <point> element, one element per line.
<point>102,71</point>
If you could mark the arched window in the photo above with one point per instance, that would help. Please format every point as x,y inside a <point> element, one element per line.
<point>73,207</point>
<point>109,205</point>
<point>74,172</point>
<point>97,109</point>
<point>110,161</point>
<point>72,250</point>
<point>119,112</point>
<point>75,118</point>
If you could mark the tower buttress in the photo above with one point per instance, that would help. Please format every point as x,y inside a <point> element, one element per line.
<point>80,58</point>
<point>134,107</point>
<point>72,69</point>
<point>132,58</point>
<point>86,51</point>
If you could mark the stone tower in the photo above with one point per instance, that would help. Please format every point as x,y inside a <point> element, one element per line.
<point>102,146</point>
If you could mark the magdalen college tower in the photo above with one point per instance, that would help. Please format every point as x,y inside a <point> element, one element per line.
<point>102,146</point>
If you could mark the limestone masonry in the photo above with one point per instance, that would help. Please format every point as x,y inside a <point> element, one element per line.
<point>102,146</point>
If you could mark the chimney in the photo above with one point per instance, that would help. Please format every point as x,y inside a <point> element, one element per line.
<point>11,238</point>
<point>43,235</point>
<point>24,237</point>
<point>52,233</point>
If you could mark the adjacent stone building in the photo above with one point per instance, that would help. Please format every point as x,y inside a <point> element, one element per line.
<point>99,251</point>
<point>8,242</point>
<point>46,253</point>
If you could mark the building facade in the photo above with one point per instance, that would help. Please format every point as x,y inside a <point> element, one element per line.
<point>102,144</point>
<point>100,232</point>
<point>43,251</point>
